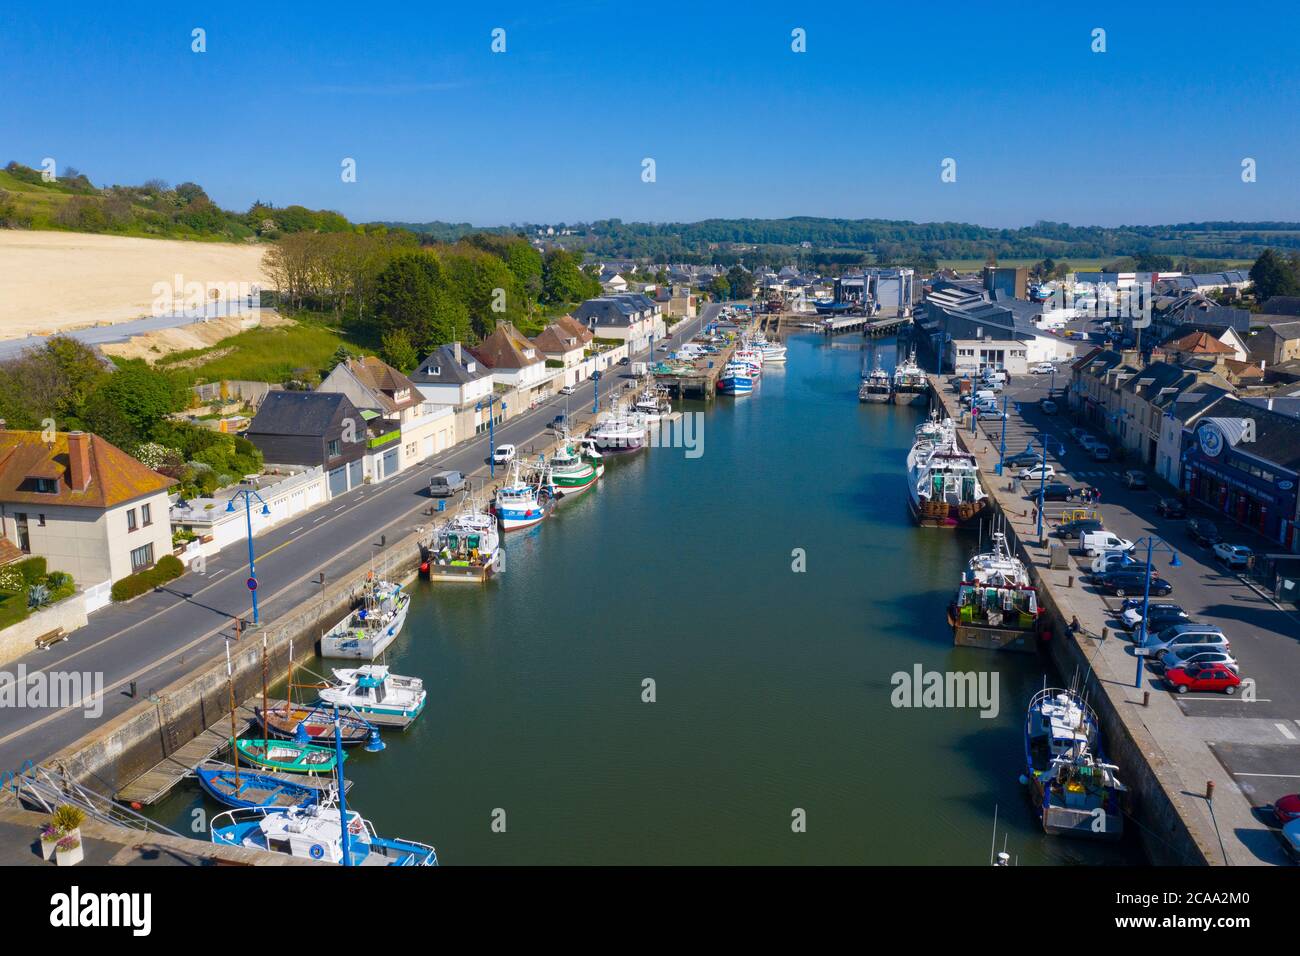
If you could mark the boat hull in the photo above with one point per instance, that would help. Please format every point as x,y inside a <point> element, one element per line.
<point>942,514</point>
<point>911,398</point>
<point>247,788</point>
<point>317,724</point>
<point>514,518</point>
<point>459,570</point>
<point>344,641</point>
<point>285,756</point>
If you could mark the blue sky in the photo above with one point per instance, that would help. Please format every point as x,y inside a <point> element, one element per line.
<point>555,129</point>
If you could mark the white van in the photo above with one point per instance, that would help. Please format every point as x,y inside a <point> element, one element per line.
<point>984,395</point>
<point>1093,543</point>
<point>995,376</point>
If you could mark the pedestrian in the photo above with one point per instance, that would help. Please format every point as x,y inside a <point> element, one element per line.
<point>1035,514</point>
<point>1096,496</point>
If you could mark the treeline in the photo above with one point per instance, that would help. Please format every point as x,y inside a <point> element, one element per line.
<point>63,385</point>
<point>412,298</point>
<point>155,208</point>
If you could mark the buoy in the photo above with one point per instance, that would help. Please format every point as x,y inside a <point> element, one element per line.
<point>1023,780</point>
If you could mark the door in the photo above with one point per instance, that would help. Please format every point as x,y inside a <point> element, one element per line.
<point>356,473</point>
<point>389,466</point>
<point>338,481</point>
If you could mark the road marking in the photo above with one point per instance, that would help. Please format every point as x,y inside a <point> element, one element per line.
<point>339,508</point>
<point>1285,731</point>
<point>317,518</point>
<point>1280,776</point>
<point>296,530</point>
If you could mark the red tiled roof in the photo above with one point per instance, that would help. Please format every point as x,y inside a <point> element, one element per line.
<point>1199,342</point>
<point>115,477</point>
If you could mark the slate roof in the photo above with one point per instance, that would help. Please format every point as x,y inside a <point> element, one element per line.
<point>384,382</point>
<point>301,413</point>
<point>1277,436</point>
<point>115,477</point>
<point>1282,305</point>
<point>442,368</point>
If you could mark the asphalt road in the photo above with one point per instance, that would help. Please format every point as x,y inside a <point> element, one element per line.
<point>1261,745</point>
<point>161,636</point>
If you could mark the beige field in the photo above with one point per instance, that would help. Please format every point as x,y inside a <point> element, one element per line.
<point>55,281</point>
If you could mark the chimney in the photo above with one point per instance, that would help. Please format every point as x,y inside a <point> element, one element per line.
<point>455,349</point>
<point>79,460</point>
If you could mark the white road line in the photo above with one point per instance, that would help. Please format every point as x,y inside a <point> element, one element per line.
<point>1281,776</point>
<point>1285,731</point>
<point>296,530</point>
<point>317,518</point>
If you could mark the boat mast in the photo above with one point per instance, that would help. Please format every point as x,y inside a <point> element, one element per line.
<point>230,682</point>
<point>343,800</point>
<point>265,733</point>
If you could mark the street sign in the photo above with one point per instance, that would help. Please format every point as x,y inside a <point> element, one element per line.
<point>252,584</point>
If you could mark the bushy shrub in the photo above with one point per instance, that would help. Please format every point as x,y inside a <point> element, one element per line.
<point>11,579</point>
<point>32,569</point>
<point>168,568</point>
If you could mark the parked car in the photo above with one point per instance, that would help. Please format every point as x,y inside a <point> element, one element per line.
<point>1048,406</point>
<point>444,484</point>
<point>559,422</point>
<point>1287,808</point>
<point>1132,580</point>
<point>1179,635</point>
<point>1043,368</point>
<point>1100,452</point>
<point>1233,555</point>
<point>1078,526</point>
<point>1110,561</point>
<point>1079,434</point>
<point>1026,457</point>
<point>1171,508</point>
<point>624,360</point>
<point>567,390</point>
<point>1203,531</point>
<point>1038,473</point>
<point>1135,479</point>
<point>1054,491</point>
<point>1203,677</point>
<point>504,455</point>
<point>1200,654</point>
<point>1088,441</point>
<point>1159,615</point>
<point>1093,543</point>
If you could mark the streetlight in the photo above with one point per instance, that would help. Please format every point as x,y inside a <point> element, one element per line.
<point>1153,544</point>
<point>1002,448</point>
<point>1042,477</point>
<point>248,495</point>
<point>595,381</point>
<point>492,444</point>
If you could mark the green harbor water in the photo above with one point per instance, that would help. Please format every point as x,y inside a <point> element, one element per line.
<point>773,686</point>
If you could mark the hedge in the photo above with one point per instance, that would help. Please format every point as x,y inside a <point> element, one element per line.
<point>133,585</point>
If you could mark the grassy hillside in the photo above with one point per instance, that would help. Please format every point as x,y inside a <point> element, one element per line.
<point>295,351</point>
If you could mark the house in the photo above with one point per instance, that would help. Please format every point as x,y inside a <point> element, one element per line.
<point>313,428</point>
<point>83,504</point>
<point>974,332</point>
<point>404,428</point>
<point>630,318</point>
<point>1179,312</point>
<point>1288,305</point>
<point>511,357</point>
<point>1204,344</point>
<point>453,378</point>
<point>563,342</point>
<point>1275,342</point>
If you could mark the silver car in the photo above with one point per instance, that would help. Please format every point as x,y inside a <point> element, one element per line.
<point>1186,635</point>
<point>1197,654</point>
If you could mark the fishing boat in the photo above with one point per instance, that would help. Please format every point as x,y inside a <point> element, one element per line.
<point>653,404</point>
<point>736,379</point>
<point>618,433</point>
<point>234,787</point>
<point>286,756</point>
<point>574,468</point>
<point>466,547</point>
<point>1074,790</point>
<point>933,429</point>
<point>996,605</point>
<point>307,723</point>
<point>368,630</point>
<point>771,351</point>
<point>378,695</point>
<point>943,483</point>
<point>875,386</point>
<point>316,833</point>
<point>911,386</point>
<point>519,503</point>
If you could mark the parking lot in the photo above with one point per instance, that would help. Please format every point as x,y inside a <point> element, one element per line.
<point>1257,741</point>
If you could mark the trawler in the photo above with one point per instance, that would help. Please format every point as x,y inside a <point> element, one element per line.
<point>574,468</point>
<point>519,503</point>
<point>654,404</point>
<point>911,385</point>
<point>996,606</point>
<point>618,433</point>
<point>943,483</point>
<point>1074,790</point>
<point>875,385</point>
<point>466,547</point>
<point>368,631</point>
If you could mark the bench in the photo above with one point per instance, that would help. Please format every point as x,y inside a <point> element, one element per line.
<point>50,638</point>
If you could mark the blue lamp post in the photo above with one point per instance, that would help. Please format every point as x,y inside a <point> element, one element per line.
<point>595,381</point>
<point>1042,478</point>
<point>1002,446</point>
<point>1153,544</point>
<point>492,442</point>
<point>346,843</point>
<point>248,494</point>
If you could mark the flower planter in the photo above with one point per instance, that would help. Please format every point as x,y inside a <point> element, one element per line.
<point>47,847</point>
<point>70,857</point>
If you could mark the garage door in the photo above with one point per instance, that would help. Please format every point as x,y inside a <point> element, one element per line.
<point>338,481</point>
<point>356,473</point>
<point>390,463</point>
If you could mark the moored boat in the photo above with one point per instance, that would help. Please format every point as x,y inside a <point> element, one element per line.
<point>368,630</point>
<point>618,433</point>
<point>519,503</point>
<point>287,756</point>
<point>316,833</point>
<point>911,385</point>
<point>236,787</point>
<point>574,468</point>
<point>312,723</point>
<point>1074,790</point>
<point>996,605</point>
<point>466,547</point>
<point>377,694</point>
<point>943,483</point>
<point>875,385</point>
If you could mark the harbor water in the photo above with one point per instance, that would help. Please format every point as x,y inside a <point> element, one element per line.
<point>770,587</point>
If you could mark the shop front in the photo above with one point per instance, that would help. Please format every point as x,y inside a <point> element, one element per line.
<point>1243,486</point>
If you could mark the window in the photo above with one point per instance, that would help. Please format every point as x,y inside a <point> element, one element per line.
<point>130,519</point>
<point>146,515</point>
<point>40,521</point>
<point>333,447</point>
<point>47,486</point>
<point>141,558</point>
<point>20,526</point>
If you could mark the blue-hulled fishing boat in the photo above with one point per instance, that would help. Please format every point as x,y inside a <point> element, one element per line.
<point>243,788</point>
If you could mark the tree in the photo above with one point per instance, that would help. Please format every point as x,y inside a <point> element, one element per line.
<point>399,352</point>
<point>562,279</point>
<point>740,282</point>
<point>126,405</point>
<point>720,287</point>
<point>1274,274</point>
<point>412,295</point>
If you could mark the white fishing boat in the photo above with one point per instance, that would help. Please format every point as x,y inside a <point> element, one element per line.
<point>575,467</point>
<point>466,547</point>
<point>519,503</point>
<point>875,386</point>
<point>618,433</point>
<point>376,694</point>
<point>316,833</point>
<point>1074,790</point>
<point>653,404</point>
<point>368,631</point>
<point>911,385</point>
<point>943,483</point>
<point>996,605</point>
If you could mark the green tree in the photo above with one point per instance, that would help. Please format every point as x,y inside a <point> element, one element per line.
<point>720,287</point>
<point>562,279</point>
<point>127,404</point>
<point>1274,274</point>
<point>398,351</point>
<point>740,282</point>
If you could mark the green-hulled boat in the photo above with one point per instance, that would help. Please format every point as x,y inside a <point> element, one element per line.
<point>288,756</point>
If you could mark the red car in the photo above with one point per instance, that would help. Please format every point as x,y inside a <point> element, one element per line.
<point>1203,677</point>
<point>1287,808</point>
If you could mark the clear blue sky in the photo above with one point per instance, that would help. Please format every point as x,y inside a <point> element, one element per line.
<point>1152,131</point>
